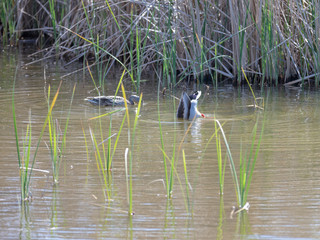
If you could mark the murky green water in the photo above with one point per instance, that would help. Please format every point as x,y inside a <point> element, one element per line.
<point>284,195</point>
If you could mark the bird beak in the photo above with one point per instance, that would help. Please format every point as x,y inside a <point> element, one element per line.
<point>202,115</point>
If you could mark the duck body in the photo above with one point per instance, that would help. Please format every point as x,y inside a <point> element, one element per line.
<point>112,100</point>
<point>187,108</point>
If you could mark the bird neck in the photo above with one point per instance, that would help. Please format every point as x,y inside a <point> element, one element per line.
<point>193,109</point>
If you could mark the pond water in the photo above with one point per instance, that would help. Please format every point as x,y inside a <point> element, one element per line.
<point>284,194</point>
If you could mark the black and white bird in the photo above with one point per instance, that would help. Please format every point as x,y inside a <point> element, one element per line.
<point>187,108</point>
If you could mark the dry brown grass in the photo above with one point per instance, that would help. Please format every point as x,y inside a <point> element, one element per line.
<point>274,41</point>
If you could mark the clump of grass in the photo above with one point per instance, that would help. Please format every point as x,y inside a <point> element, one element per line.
<point>57,140</point>
<point>107,152</point>
<point>104,154</point>
<point>247,164</point>
<point>186,194</point>
<point>25,161</point>
<point>100,166</point>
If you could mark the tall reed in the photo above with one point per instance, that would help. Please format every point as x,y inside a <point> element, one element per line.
<point>52,9</point>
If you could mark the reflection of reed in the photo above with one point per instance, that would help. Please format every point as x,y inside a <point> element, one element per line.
<point>54,214</point>
<point>25,220</point>
<point>221,219</point>
<point>195,130</point>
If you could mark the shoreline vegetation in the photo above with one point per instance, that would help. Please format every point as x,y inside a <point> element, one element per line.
<point>274,42</point>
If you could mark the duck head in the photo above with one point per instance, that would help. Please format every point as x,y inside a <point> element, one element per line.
<point>195,95</point>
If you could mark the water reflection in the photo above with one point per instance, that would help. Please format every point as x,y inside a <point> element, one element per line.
<point>25,231</point>
<point>221,218</point>
<point>194,127</point>
<point>54,212</point>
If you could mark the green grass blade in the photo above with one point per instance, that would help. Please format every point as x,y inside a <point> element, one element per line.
<point>99,162</point>
<point>174,170</point>
<point>118,137</point>
<point>232,166</point>
<point>108,113</point>
<point>127,177</point>
<point>186,178</point>
<point>67,122</point>
<point>15,119</point>
<point>254,158</point>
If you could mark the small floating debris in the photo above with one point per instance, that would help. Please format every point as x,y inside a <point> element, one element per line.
<point>235,210</point>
